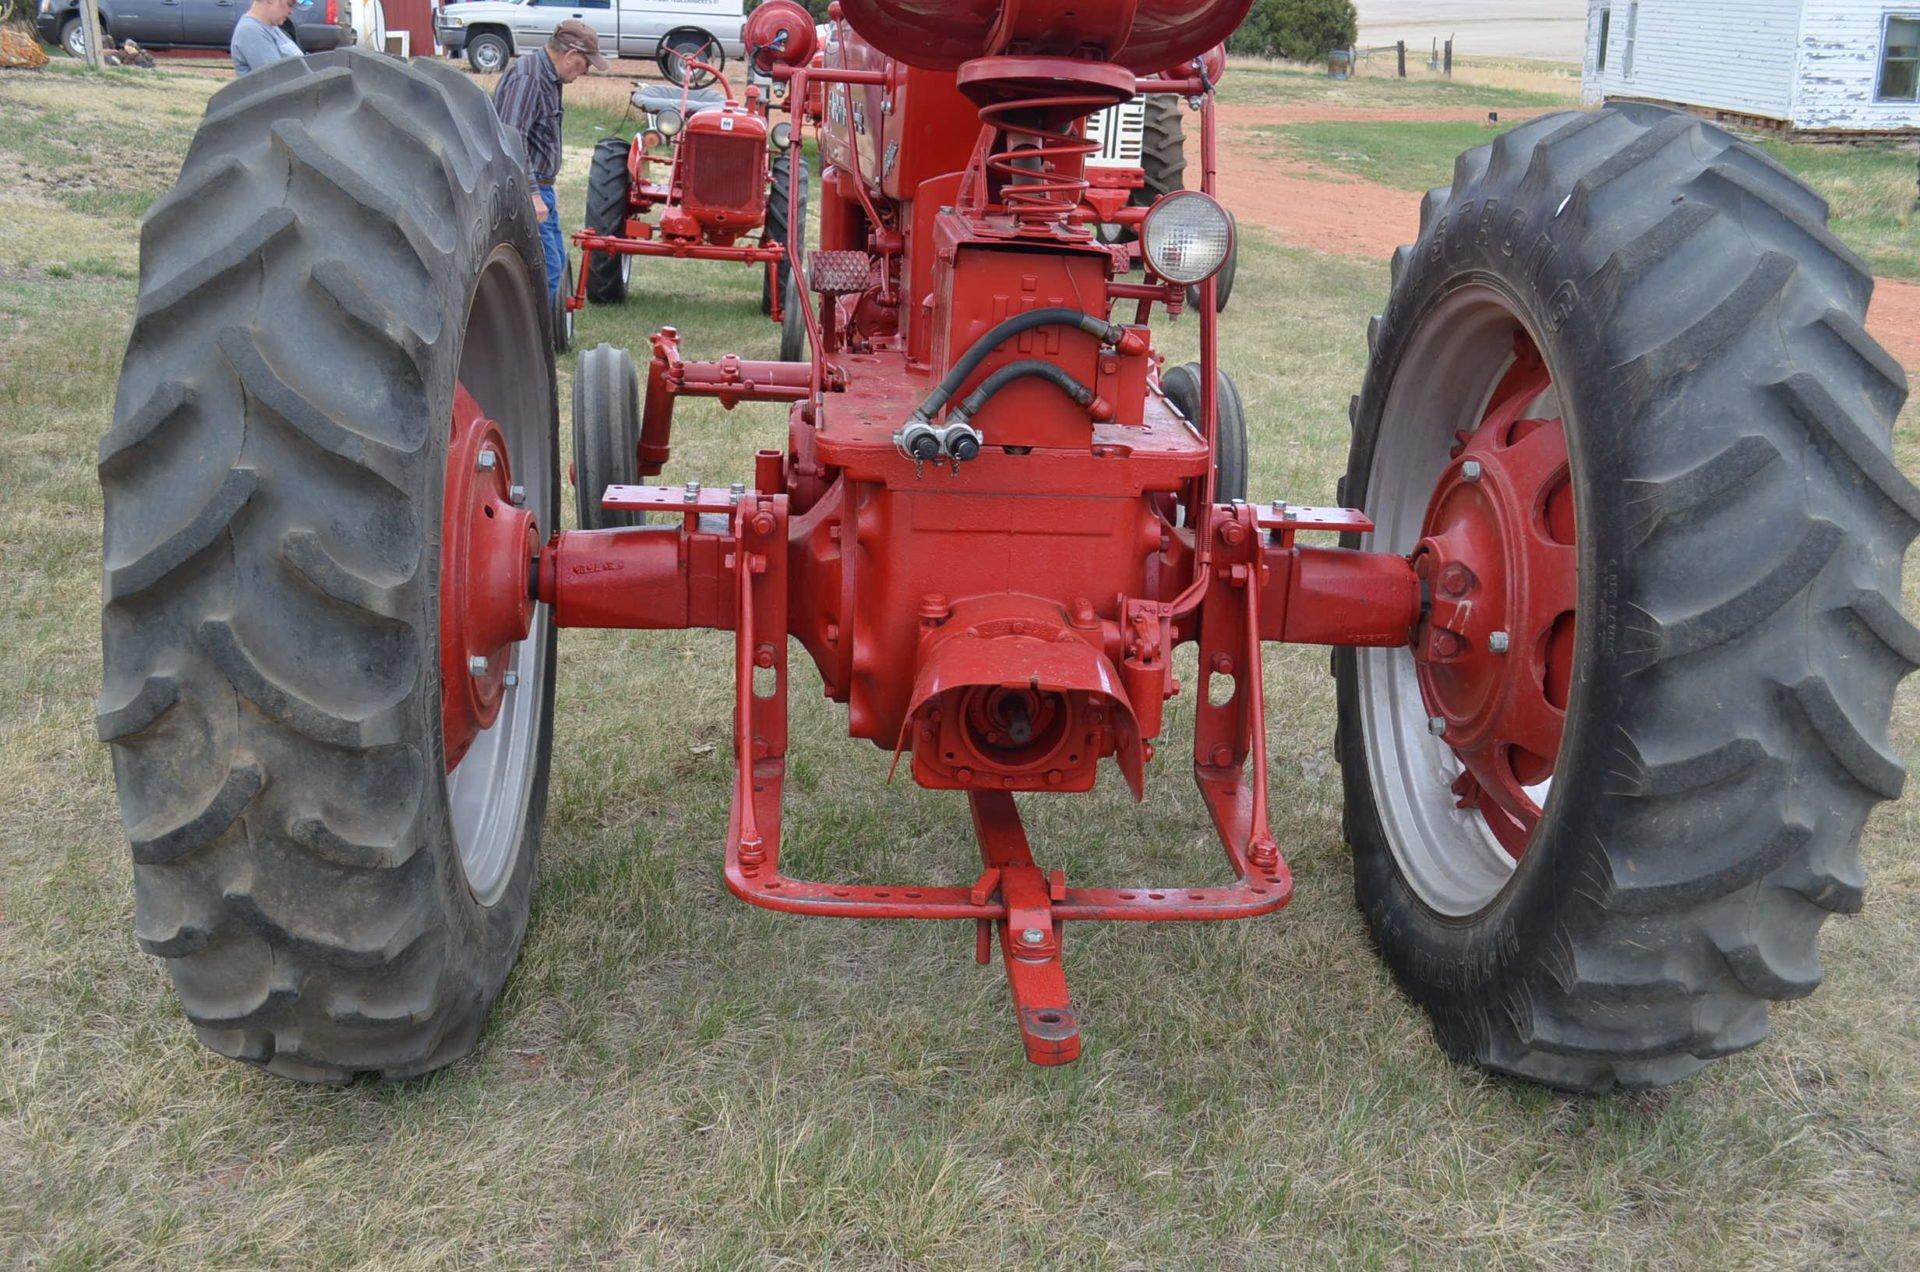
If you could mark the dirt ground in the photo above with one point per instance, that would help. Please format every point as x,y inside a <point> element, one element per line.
<point>1305,208</point>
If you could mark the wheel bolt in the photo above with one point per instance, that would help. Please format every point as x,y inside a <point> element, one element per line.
<point>1436,725</point>
<point>517,495</point>
<point>487,459</point>
<point>1470,471</point>
<point>510,678</point>
<point>477,665</point>
<point>1497,642</point>
<point>1032,936</point>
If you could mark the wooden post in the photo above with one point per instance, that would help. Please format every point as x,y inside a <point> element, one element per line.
<point>1449,58</point>
<point>90,28</point>
<point>1403,59</point>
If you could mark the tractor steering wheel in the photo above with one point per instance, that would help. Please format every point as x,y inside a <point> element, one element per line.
<point>683,46</point>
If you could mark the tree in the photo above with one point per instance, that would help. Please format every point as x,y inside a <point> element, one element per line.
<point>1298,30</point>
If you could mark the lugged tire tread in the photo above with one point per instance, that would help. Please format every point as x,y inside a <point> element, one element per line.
<point>1685,945</point>
<point>273,804</point>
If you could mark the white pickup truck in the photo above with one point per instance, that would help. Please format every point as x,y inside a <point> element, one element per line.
<point>492,32</point>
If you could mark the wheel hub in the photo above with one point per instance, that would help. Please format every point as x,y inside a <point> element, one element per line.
<point>487,542</point>
<point>1494,654</point>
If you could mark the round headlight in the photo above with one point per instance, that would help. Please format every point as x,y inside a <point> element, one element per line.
<point>667,122</point>
<point>1186,236</point>
<point>782,135</point>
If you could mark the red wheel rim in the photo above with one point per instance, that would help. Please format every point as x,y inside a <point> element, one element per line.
<point>488,542</point>
<point>1494,656</point>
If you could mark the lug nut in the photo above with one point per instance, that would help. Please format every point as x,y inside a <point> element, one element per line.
<point>1497,642</point>
<point>517,495</point>
<point>1436,725</point>
<point>510,679</point>
<point>1032,936</point>
<point>1470,471</point>
<point>488,460</point>
<point>477,665</point>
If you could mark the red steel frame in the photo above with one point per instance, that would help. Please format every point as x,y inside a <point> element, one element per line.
<point>853,548</point>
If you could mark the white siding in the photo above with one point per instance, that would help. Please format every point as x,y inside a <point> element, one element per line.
<point>1840,67</point>
<point>1734,55</point>
<point>1590,91</point>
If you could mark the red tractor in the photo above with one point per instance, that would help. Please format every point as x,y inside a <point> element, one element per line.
<point>1612,612</point>
<point>724,189</point>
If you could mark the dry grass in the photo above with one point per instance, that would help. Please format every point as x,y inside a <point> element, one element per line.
<point>1484,82</point>
<point>673,1077</point>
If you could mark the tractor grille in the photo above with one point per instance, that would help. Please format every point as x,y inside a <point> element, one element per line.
<point>722,172</point>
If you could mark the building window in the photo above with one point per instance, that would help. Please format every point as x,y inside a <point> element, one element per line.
<point>1606,30</point>
<point>1900,59</point>
<point>1633,29</point>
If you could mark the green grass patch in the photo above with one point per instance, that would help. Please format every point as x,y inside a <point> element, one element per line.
<point>1869,188</point>
<point>1407,156</point>
<point>675,1079</point>
<point>1870,191</point>
<point>1257,83</point>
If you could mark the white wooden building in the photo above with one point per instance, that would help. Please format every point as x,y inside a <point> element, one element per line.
<point>1820,66</point>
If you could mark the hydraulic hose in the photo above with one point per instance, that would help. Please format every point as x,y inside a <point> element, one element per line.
<point>1037,368</point>
<point>1054,316</point>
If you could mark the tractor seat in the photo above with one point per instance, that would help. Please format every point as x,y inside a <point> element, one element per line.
<point>654,98</point>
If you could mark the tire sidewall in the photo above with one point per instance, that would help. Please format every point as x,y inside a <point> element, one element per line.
<point>489,935</point>
<point>1508,241</point>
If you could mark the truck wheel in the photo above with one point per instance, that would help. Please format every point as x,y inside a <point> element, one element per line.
<point>606,433</point>
<point>563,316</point>
<point>487,52</point>
<point>1181,384</point>
<point>1622,410</point>
<point>73,38</point>
<point>328,695</point>
<point>608,183</point>
<point>779,183</point>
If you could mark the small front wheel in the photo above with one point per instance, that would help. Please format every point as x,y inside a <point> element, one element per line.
<point>606,434</point>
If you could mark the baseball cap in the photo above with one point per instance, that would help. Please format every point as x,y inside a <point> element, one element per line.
<point>577,36</point>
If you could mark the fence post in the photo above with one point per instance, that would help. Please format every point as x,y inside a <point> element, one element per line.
<point>90,29</point>
<point>1403,59</point>
<point>1449,59</point>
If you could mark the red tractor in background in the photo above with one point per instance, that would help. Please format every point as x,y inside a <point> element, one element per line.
<point>1612,616</point>
<point>726,177</point>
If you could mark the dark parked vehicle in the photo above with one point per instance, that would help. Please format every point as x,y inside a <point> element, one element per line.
<point>316,25</point>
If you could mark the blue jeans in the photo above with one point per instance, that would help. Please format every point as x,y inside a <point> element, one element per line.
<point>552,242</point>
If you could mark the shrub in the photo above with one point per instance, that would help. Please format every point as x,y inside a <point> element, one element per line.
<point>1298,30</point>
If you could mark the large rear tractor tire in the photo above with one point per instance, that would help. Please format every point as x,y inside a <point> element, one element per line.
<point>780,181</point>
<point>332,454</point>
<point>606,434</point>
<point>1622,410</point>
<point>608,184</point>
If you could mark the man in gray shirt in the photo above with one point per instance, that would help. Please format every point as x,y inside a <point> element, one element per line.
<point>257,38</point>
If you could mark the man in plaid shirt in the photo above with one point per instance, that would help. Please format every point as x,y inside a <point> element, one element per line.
<point>528,103</point>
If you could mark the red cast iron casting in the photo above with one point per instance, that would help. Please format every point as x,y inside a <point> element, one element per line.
<point>487,542</point>
<point>1495,654</point>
